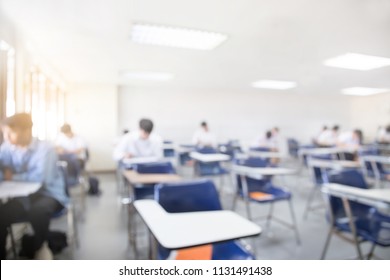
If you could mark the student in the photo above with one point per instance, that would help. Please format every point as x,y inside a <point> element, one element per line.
<point>328,138</point>
<point>72,149</point>
<point>203,137</point>
<point>140,143</point>
<point>383,136</point>
<point>323,132</point>
<point>25,158</point>
<point>351,141</point>
<point>266,142</point>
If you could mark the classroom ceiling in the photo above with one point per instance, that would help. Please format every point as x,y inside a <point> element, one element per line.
<point>87,41</point>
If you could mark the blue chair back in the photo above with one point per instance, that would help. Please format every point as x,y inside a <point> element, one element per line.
<point>155,167</point>
<point>207,150</point>
<point>191,196</point>
<point>252,183</point>
<point>260,149</point>
<point>353,178</point>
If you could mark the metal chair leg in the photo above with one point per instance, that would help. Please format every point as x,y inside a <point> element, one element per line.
<point>294,222</point>
<point>13,243</point>
<point>325,249</point>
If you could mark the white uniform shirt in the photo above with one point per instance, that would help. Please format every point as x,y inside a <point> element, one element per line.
<point>327,138</point>
<point>133,144</point>
<point>71,144</point>
<point>204,138</point>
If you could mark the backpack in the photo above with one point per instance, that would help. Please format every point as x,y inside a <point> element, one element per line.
<point>93,186</point>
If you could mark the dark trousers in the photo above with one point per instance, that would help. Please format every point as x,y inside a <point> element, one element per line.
<point>36,209</point>
<point>75,167</point>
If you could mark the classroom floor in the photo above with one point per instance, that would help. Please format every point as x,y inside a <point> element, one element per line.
<point>103,229</point>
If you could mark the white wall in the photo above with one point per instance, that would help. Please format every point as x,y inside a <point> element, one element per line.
<point>232,115</point>
<point>92,112</point>
<point>370,112</point>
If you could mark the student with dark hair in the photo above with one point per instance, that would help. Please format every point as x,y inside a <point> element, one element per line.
<point>140,143</point>
<point>203,137</point>
<point>351,141</point>
<point>328,138</point>
<point>25,158</point>
<point>72,149</point>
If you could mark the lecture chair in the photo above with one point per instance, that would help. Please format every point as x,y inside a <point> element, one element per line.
<point>197,195</point>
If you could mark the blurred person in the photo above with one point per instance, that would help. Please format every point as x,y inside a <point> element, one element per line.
<point>73,149</point>
<point>328,138</point>
<point>140,143</point>
<point>203,137</point>
<point>351,141</point>
<point>25,158</point>
<point>383,135</point>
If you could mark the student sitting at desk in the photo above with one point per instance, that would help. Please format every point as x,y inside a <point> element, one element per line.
<point>383,136</point>
<point>72,149</point>
<point>328,138</point>
<point>203,137</point>
<point>140,143</point>
<point>351,141</point>
<point>28,159</point>
<point>266,142</point>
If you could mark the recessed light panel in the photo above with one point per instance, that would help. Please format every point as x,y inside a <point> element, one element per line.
<point>363,91</point>
<point>356,61</point>
<point>274,84</point>
<point>176,37</point>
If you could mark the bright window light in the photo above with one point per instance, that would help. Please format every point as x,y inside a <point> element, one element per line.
<point>357,61</point>
<point>272,84</point>
<point>176,37</point>
<point>147,76</point>
<point>4,46</point>
<point>363,91</point>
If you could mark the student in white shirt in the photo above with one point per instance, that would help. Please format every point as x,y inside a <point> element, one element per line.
<point>328,138</point>
<point>73,149</point>
<point>351,141</point>
<point>140,143</point>
<point>383,136</point>
<point>203,137</point>
<point>266,141</point>
<point>70,143</point>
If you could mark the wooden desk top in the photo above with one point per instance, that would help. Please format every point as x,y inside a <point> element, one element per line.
<point>136,178</point>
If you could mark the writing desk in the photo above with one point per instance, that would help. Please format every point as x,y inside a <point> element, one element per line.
<point>135,178</point>
<point>379,198</point>
<point>333,164</point>
<point>209,157</point>
<point>375,162</point>
<point>11,189</point>
<point>182,230</point>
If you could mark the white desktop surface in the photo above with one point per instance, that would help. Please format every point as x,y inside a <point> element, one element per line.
<point>380,159</point>
<point>264,171</point>
<point>362,195</point>
<point>333,164</point>
<point>209,157</point>
<point>181,230</point>
<point>136,160</point>
<point>10,189</point>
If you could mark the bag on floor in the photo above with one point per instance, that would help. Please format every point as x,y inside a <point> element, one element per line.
<point>93,186</point>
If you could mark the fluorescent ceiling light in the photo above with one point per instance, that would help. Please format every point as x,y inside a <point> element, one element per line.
<point>363,91</point>
<point>147,76</point>
<point>271,84</point>
<point>356,61</point>
<point>176,37</point>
